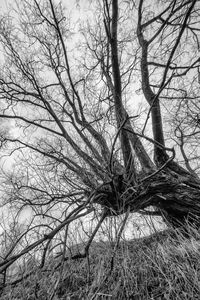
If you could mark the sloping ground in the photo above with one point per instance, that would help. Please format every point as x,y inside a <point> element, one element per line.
<point>163,266</point>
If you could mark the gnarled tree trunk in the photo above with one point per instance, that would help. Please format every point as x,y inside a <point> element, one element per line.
<point>172,191</point>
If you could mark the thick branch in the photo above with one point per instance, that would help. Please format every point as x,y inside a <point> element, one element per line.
<point>119,109</point>
<point>159,154</point>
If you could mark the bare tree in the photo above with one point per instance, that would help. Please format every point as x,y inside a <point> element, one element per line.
<point>82,146</point>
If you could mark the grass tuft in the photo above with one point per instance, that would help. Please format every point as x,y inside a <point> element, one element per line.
<point>165,265</point>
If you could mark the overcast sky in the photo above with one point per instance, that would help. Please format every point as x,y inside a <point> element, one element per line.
<point>4,4</point>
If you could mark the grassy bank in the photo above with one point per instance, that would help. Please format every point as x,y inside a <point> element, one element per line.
<point>162,266</point>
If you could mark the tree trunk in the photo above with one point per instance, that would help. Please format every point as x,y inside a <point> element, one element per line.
<point>162,194</point>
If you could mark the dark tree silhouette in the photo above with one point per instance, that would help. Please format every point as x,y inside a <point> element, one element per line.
<point>83,147</point>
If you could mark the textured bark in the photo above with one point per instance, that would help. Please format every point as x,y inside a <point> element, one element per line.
<point>177,202</point>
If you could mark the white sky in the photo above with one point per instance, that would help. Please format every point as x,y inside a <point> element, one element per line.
<point>4,5</point>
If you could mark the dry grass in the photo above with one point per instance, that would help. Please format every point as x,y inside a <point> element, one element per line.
<point>163,266</point>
